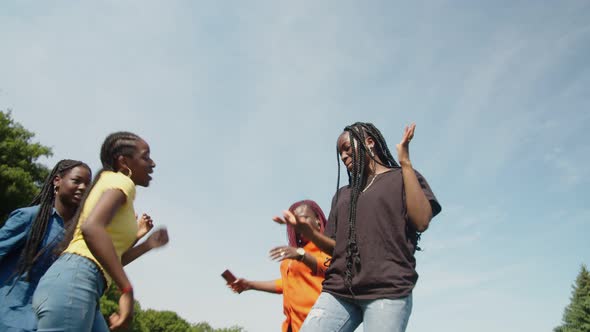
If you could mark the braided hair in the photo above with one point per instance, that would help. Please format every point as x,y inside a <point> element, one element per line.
<point>46,201</point>
<point>357,179</point>
<point>295,240</point>
<point>117,144</point>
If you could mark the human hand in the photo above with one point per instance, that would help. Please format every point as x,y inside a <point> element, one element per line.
<point>122,318</point>
<point>301,224</point>
<point>144,225</point>
<point>158,238</point>
<point>284,252</point>
<point>403,148</point>
<point>239,285</point>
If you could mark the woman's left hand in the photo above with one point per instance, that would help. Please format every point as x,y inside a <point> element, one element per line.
<point>144,225</point>
<point>158,239</point>
<point>403,148</point>
<point>284,252</point>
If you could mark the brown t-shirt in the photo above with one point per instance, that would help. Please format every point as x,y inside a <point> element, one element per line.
<point>385,239</point>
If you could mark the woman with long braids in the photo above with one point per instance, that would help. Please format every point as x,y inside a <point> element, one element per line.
<point>302,269</point>
<point>28,240</point>
<point>373,230</point>
<point>67,297</point>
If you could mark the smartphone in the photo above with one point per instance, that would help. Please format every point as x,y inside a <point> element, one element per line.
<point>228,276</point>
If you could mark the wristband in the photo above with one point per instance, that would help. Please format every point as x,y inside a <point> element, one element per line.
<point>127,289</point>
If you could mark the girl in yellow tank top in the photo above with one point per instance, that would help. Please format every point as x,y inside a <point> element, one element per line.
<point>102,243</point>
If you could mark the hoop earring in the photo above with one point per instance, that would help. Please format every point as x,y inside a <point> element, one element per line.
<point>55,190</point>
<point>129,173</point>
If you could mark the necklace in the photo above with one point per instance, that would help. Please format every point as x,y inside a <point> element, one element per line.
<point>370,183</point>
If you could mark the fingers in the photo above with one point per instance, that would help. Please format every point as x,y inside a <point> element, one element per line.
<point>290,217</point>
<point>280,253</point>
<point>116,321</point>
<point>279,220</point>
<point>238,286</point>
<point>408,134</point>
<point>411,130</point>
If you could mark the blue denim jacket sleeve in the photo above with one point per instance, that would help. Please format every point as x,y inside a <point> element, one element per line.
<point>14,232</point>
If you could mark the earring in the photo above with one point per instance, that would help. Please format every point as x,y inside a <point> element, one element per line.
<point>371,153</point>
<point>129,172</point>
<point>55,189</point>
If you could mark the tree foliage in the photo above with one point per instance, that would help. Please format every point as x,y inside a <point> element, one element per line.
<point>20,174</point>
<point>576,316</point>
<point>156,321</point>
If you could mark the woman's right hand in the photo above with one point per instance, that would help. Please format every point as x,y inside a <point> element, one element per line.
<point>301,225</point>
<point>123,318</point>
<point>240,285</point>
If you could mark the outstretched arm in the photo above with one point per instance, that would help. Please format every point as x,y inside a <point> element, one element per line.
<point>242,284</point>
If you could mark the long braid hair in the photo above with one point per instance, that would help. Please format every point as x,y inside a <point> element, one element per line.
<point>357,179</point>
<point>46,201</point>
<point>295,239</point>
<point>117,144</point>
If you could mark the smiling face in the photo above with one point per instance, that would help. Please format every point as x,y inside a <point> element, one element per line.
<point>71,185</point>
<point>141,164</point>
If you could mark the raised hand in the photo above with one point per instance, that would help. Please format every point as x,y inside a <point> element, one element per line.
<point>144,225</point>
<point>403,148</point>
<point>301,224</point>
<point>158,238</point>
<point>284,252</point>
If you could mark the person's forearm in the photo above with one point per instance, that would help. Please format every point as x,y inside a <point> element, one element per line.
<point>310,262</point>
<point>102,249</point>
<point>325,243</point>
<point>418,206</point>
<point>265,286</point>
<point>134,252</point>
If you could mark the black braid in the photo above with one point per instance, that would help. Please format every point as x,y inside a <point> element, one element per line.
<point>358,132</point>
<point>46,200</point>
<point>117,144</point>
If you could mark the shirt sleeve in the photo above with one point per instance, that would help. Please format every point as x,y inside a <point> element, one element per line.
<point>279,285</point>
<point>14,232</point>
<point>331,225</point>
<point>436,208</point>
<point>323,262</point>
<point>123,183</point>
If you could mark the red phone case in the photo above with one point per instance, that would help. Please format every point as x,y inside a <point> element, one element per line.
<point>228,276</point>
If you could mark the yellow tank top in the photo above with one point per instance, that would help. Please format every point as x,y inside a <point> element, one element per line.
<point>122,229</point>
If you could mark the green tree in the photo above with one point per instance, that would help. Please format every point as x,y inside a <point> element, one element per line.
<point>205,327</point>
<point>576,317</point>
<point>20,174</point>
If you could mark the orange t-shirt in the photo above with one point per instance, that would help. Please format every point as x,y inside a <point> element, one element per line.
<point>300,287</point>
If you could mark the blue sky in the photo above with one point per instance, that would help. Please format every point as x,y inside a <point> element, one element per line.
<point>242,102</point>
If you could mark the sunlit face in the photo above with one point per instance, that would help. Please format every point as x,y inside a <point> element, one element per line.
<point>141,164</point>
<point>72,185</point>
<point>345,149</point>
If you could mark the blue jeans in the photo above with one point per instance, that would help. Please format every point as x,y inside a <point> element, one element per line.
<point>67,297</point>
<point>331,313</point>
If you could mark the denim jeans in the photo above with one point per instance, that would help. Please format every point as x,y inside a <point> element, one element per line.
<point>67,297</point>
<point>331,313</point>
